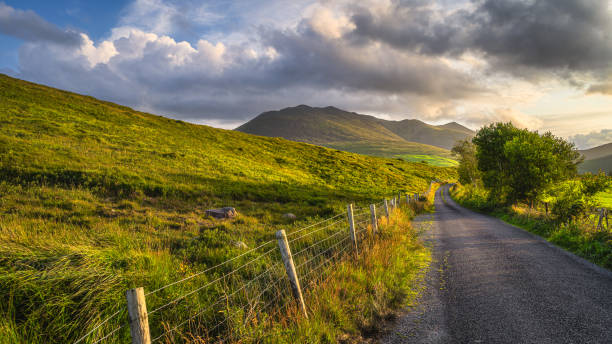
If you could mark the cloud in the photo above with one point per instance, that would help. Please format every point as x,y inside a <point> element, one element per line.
<point>409,58</point>
<point>28,26</point>
<point>164,18</point>
<point>603,88</point>
<point>549,35</point>
<point>493,114</point>
<point>222,82</point>
<point>593,139</point>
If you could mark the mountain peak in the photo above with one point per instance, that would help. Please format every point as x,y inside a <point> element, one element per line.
<point>331,126</point>
<point>456,126</point>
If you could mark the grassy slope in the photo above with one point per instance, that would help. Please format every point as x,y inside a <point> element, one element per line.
<point>597,152</point>
<point>433,160</point>
<point>332,127</point>
<point>96,198</point>
<point>595,165</point>
<point>597,158</point>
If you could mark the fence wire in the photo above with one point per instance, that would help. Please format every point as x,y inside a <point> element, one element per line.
<point>246,293</point>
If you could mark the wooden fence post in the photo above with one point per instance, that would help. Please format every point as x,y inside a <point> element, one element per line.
<point>285,251</point>
<point>138,316</point>
<point>352,228</point>
<point>601,216</point>
<point>387,210</point>
<point>373,218</point>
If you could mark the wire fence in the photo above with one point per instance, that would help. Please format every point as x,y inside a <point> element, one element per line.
<point>597,219</point>
<point>243,295</point>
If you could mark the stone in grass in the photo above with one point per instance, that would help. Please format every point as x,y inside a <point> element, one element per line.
<point>222,213</point>
<point>289,216</point>
<point>240,245</point>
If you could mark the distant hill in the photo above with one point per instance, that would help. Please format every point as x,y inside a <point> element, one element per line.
<point>597,158</point>
<point>350,131</point>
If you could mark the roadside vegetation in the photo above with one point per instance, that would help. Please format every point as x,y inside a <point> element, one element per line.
<point>361,296</point>
<point>604,199</point>
<point>96,198</point>
<point>531,180</point>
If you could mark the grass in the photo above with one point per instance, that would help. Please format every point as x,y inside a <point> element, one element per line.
<point>604,199</point>
<point>579,238</point>
<point>97,198</point>
<point>361,296</point>
<point>389,149</point>
<point>434,160</point>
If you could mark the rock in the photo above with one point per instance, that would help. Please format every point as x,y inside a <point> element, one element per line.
<point>289,216</point>
<point>222,213</point>
<point>240,244</point>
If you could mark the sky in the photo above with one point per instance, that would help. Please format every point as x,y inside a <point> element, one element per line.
<point>542,64</point>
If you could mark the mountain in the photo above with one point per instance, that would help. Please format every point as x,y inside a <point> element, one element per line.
<point>96,198</point>
<point>350,131</point>
<point>597,158</point>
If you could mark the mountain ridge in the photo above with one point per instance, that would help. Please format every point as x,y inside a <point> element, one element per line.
<point>596,159</point>
<point>336,128</point>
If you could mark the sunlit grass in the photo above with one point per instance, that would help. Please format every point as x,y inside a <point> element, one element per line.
<point>604,199</point>
<point>96,198</point>
<point>433,160</point>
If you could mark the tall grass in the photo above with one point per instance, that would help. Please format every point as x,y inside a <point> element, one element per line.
<point>96,198</point>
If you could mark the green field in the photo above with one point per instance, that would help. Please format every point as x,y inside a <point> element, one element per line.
<point>96,198</point>
<point>604,199</point>
<point>433,160</point>
<point>389,149</point>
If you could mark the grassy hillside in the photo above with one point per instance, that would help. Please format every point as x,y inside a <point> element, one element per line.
<point>96,198</point>
<point>595,165</point>
<point>332,127</point>
<point>597,152</point>
<point>596,159</point>
<point>433,160</point>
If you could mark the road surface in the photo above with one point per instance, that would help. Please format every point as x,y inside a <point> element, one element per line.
<point>495,283</point>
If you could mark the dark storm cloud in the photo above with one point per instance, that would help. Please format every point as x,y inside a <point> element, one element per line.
<point>307,57</point>
<point>28,26</point>
<point>540,34</point>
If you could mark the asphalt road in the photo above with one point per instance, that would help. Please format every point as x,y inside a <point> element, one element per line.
<point>495,283</point>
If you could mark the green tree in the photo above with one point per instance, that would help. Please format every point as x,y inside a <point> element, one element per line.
<point>517,164</point>
<point>468,172</point>
<point>594,183</point>
<point>492,162</point>
<point>536,161</point>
